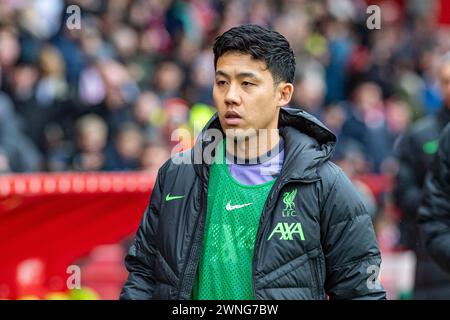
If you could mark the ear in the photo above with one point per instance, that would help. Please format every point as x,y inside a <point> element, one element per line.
<point>285,91</point>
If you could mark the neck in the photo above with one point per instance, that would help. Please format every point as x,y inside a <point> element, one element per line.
<point>255,146</point>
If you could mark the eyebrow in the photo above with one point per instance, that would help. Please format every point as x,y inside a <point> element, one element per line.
<point>239,75</point>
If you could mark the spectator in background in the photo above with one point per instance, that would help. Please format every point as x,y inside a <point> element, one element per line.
<point>121,92</point>
<point>309,94</point>
<point>340,48</point>
<point>154,154</point>
<point>59,150</point>
<point>167,80</point>
<point>68,42</point>
<point>434,214</point>
<point>148,113</point>
<point>334,117</point>
<point>366,123</point>
<point>176,117</point>
<point>416,150</point>
<point>91,139</point>
<point>125,41</point>
<point>125,152</point>
<point>52,85</point>
<point>47,90</point>
<point>10,50</point>
<point>21,87</point>
<point>17,152</point>
<point>201,76</point>
<point>398,117</point>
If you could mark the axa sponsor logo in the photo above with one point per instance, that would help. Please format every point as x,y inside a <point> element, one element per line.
<point>287,231</point>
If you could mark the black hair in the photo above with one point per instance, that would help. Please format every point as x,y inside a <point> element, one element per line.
<point>261,44</point>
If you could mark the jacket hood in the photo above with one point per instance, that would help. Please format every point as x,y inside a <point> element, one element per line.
<point>307,144</point>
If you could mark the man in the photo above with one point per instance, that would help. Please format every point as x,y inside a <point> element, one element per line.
<point>434,214</point>
<point>285,224</point>
<point>416,151</point>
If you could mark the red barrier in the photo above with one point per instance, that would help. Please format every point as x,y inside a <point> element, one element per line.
<point>48,221</point>
<point>444,13</point>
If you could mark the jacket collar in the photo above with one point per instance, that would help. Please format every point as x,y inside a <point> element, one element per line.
<point>308,144</point>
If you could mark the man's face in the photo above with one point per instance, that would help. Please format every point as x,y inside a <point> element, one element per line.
<point>245,95</point>
<point>445,83</point>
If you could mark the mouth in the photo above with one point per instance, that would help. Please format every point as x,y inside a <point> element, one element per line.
<point>232,118</point>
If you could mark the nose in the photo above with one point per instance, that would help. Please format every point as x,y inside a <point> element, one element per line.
<point>232,96</point>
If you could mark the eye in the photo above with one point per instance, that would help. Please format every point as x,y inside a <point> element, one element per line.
<point>220,82</point>
<point>247,84</point>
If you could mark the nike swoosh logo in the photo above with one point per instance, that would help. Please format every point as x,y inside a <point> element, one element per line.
<point>229,207</point>
<point>169,197</point>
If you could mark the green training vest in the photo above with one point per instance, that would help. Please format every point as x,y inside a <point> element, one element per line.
<point>233,214</point>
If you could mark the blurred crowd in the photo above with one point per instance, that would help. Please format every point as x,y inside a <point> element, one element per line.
<point>109,95</point>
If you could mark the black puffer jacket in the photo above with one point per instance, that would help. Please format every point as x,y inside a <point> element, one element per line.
<point>434,214</point>
<point>416,151</point>
<point>338,257</point>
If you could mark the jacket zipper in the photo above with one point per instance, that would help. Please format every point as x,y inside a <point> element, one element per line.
<point>276,190</point>
<point>190,270</point>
